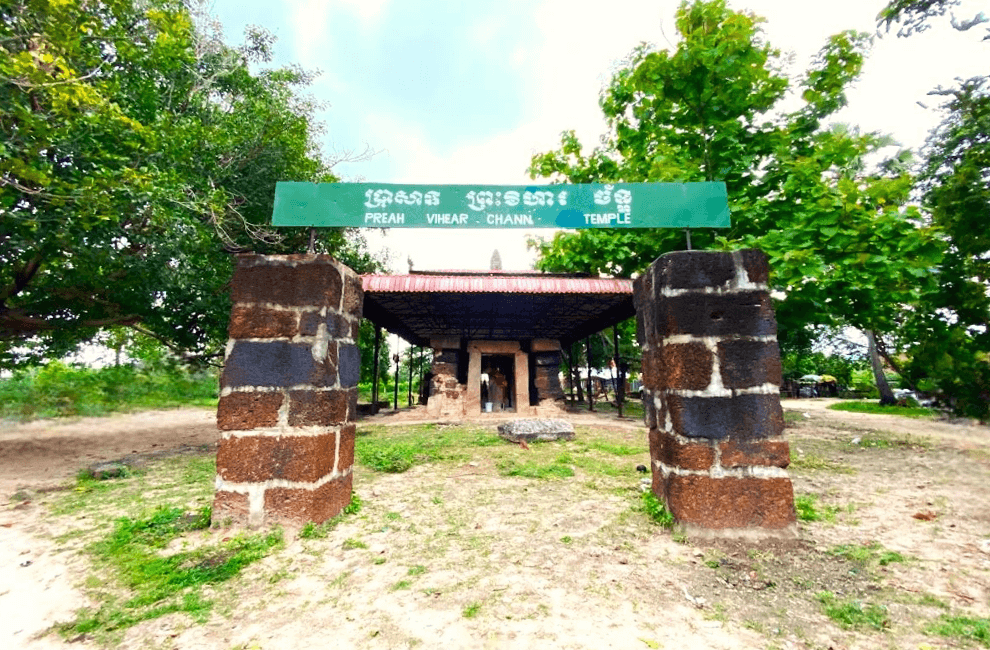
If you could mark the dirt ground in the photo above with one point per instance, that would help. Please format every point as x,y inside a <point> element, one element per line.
<point>459,556</point>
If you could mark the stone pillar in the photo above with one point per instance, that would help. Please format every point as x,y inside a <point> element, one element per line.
<point>546,359</point>
<point>446,398</point>
<point>288,392</point>
<point>712,374</point>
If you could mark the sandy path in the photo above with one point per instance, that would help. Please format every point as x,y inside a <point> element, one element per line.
<point>966,432</point>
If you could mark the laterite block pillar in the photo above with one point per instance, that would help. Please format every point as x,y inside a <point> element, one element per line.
<point>288,392</point>
<point>711,370</point>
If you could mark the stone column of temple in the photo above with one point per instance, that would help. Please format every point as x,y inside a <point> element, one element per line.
<point>712,374</point>
<point>288,392</point>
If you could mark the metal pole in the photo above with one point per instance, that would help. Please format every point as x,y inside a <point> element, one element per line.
<point>687,233</point>
<point>395,388</point>
<point>619,387</point>
<point>374,381</point>
<point>422,353</point>
<point>409,391</point>
<point>591,391</point>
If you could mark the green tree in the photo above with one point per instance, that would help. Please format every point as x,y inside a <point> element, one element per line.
<point>137,152</point>
<point>842,248</point>
<point>949,335</point>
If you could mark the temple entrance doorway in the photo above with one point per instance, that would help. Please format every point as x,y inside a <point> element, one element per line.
<point>497,385</point>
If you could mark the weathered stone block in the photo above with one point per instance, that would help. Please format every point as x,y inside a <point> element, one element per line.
<point>315,280</point>
<point>692,455</point>
<point>243,411</point>
<point>744,364</point>
<point>748,313</point>
<point>650,411</point>
<point>536,430</point>
<point>353,295</point>
<point>349,359</point>
<point>230,505</point>
<point>747,453</point>
<point>686,366</point>
<point>731,502</point>
<point>277,364</point>
<point>337,326</point>
<point>651,370</point>
<point>255,459</point>
<point>300,505</point>
<point>694,270</point>
<point>318,408</point>
<point>345,450</point>
<point>743,417</point>
<point>756,264</point>
<point>262,323</point>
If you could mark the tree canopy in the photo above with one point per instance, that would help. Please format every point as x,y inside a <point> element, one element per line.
<point>948,335</point>
<point>844,247</point>
<point>137,151</point>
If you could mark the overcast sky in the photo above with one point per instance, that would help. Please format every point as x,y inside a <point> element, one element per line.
<point>467,91</point>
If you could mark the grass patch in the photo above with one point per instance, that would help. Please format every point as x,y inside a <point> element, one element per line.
<point>862,406</point>
<point>853,613</point>
<point>962,628</point>
<point>557,468</point>
<point>808,509</point>
<point>350,544</point>
<point>616,450</point>
<point>472,610</point>
<point>656,510</point>
<point>814,462</point>
<point>156,582</point>
<point>866,554</point>
<point>793,417</point>
<point>394,449</point>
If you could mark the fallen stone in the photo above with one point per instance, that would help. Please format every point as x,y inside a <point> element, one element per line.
<point>103,471</point>
<point>536,430</point>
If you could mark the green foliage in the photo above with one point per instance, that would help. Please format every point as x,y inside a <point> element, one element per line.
<point>159,582</point>
<point>844,248</point>
<point>137,151</point>
<point>657,511</point>
<point>965,628</point>
<point>471,610</point>
<point>808,509</point>
<point>859,406</point>
<point>949,353</point>
<point>853,613</point>
<point>57,389</point>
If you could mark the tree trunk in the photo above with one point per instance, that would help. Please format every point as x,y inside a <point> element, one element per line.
<point>886,394</point>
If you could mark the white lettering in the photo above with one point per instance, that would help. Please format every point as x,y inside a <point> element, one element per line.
<point>384,218</point>
<point>496,219</point>
<point>446,218</point>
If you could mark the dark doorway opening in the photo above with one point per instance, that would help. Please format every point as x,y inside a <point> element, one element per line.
<point>498,382</point>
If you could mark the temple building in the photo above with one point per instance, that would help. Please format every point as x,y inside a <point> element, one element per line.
<point>497,336</point>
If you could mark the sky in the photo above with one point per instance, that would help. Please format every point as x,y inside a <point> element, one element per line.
<point>466,91</point>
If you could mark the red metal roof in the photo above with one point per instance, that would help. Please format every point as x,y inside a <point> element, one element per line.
<point>494,284</point>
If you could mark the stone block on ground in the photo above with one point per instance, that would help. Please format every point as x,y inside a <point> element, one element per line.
<point>536,430</point>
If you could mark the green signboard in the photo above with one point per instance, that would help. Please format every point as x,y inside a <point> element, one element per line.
<point>385,205</point>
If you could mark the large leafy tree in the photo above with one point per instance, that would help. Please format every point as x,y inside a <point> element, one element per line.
<point>843,250</point>
<point>950,334</point>
<point>137,151</point>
